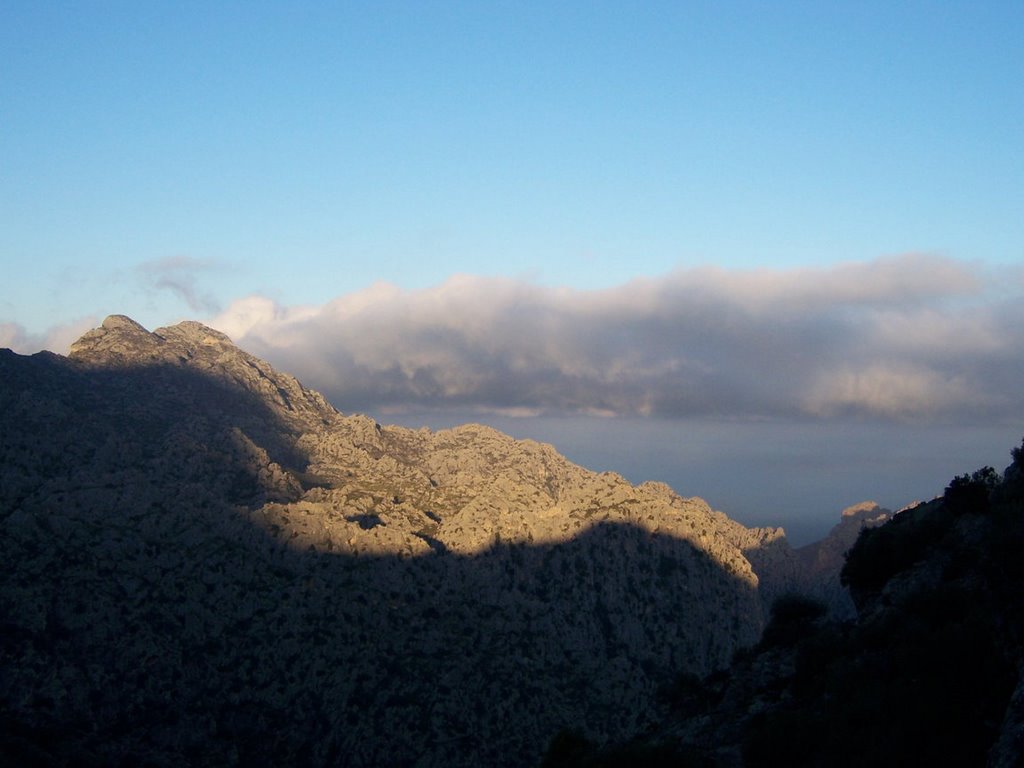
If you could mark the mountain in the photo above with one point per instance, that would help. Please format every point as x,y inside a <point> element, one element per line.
<point>819,564</point>
<point>928,672</point>
<point>206,563</point>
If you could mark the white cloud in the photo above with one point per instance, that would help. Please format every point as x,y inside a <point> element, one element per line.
<point>898,390</point>
<point>56,339</point>
<point>904,337</point>
<point>12,336</point>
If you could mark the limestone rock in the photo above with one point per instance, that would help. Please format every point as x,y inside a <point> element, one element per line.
<point>820,563</point>
<point>204,559</point>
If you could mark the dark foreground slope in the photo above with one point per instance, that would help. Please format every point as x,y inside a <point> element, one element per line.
<point>204,563</point>
<point>929,672</point>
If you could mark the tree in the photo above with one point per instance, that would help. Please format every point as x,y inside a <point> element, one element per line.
<point>971,493</point>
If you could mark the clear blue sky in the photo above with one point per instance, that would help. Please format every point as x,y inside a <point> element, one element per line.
<point>305,150</point>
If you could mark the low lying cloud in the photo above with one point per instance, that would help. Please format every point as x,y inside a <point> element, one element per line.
<point>58,339</point>
<point>907,338</point>
<point>178,275</point>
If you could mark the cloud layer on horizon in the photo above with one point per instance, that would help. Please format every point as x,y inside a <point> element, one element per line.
<point>913,337</point>
<point>58,338</point>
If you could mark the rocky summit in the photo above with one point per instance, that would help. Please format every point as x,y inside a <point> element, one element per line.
<point>206,563</point>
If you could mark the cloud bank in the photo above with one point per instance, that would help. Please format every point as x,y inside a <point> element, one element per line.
<point>58,339</point>
<point>914,337</point>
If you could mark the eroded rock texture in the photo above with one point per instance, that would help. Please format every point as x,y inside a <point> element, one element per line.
<point>206,563</point>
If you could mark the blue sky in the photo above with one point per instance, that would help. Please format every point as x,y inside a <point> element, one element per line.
<point>209,160</point>
<point>306,150</point>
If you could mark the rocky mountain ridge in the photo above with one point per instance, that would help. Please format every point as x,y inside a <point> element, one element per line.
<point>468,487</point>
<point>212,564</point>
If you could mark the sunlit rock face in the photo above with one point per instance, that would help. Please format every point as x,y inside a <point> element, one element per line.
<point>205,561</point>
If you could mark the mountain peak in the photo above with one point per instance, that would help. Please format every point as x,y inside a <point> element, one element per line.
<point>120,342</point>
<point>121,322</point>
<point>862,509</point>
<point>121,339</point>
<point>194,332</point>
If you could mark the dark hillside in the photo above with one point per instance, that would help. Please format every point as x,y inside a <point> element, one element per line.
<point>929,673</point>
<point>205,564</point>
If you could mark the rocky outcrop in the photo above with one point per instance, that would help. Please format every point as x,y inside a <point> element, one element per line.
<point>209,563</point>
<point>811,571</point>
<point>829,554</point>
<point>818,565</point>
<point>121,343</point>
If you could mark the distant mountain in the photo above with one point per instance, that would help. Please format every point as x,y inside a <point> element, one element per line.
<point>820,564</point>
<point>206,563</point>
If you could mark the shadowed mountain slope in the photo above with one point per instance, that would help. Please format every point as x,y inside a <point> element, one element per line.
<point>207,563</point>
